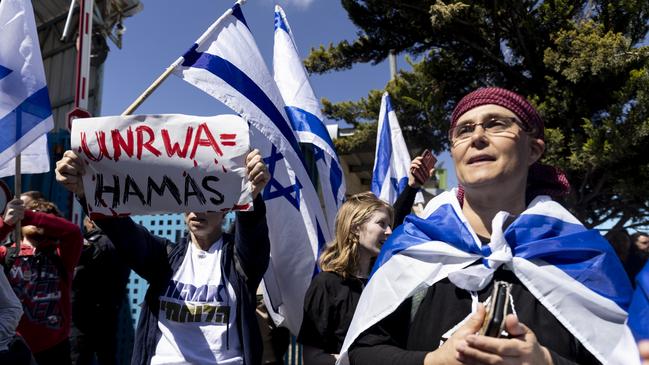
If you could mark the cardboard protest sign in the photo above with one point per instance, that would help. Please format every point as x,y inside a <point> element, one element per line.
<point>149,164</point>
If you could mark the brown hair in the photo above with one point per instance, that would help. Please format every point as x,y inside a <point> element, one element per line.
<point>44,206</point>
<point>39,205</point>
<point>621,242</point>
<point>33,194</point>
<point>341,255</point>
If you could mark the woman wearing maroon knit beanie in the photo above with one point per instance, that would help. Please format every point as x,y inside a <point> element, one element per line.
<point>449,261</point>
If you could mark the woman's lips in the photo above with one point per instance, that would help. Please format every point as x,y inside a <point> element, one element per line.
<point>480,158</point>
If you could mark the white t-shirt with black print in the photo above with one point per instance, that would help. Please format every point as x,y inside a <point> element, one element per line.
<point>197,313</point>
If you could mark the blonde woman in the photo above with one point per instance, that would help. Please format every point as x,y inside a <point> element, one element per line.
<point>363,224</point>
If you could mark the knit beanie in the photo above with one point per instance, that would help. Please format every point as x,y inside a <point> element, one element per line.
<point>505,98</point>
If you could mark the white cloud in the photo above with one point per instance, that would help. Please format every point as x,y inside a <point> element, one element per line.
<point>300,4</point>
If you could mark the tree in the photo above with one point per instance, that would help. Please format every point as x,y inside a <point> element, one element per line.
<point>582,64</point>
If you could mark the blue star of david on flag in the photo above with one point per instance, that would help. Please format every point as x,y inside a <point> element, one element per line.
<point>274,189</point>
<point>399,185</point>
<point>4,72</point>
<point>318,154</point>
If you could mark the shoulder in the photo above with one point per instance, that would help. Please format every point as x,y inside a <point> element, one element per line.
<point>332,285</point>
<point>325,282</point>
<point>327,278</point>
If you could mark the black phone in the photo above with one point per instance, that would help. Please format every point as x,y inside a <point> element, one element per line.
<point>497,309</point>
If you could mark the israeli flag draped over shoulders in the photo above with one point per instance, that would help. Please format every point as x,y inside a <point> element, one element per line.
<point>391,159</point>
<point>639,309</point>
<point>226,63</point>
<point>571,270</point>
<point>303,110</point>
<point>25,111</point>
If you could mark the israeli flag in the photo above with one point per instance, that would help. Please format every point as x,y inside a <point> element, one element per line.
<point>304,113</point>
<point>25,111</point>
<point>226,63</point>
<point>639,309</point>
<point>391,160</point>
<point>571,270</point>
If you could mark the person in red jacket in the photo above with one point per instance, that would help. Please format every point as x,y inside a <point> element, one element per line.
<point>41,276</point>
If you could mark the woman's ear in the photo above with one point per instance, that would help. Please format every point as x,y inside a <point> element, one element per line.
<point>537,147</point>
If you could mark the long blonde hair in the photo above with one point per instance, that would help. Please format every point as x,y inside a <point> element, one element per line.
<point>341,255</point>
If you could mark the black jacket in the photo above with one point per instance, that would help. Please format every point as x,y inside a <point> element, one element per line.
<point>99,285</point>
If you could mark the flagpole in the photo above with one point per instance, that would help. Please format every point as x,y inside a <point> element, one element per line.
<point>170,69</point>
<point>393,64</point>
<point>18,182</point>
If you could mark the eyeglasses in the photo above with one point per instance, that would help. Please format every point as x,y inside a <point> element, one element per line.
<point>492,126</point>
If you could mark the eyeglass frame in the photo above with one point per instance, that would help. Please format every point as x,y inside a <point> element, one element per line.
<point>513,120</point>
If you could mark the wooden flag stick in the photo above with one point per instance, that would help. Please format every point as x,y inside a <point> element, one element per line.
<point>18,182</point>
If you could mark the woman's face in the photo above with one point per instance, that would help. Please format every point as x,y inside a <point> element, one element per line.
<point>373,233</point>
<point>494,161</point>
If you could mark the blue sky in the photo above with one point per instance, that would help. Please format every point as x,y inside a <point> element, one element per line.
<point>165,29</point>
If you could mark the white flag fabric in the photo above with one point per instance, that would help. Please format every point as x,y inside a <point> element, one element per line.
<point>392,159</point>
<point>226,63</point>
<point>572,271</point>
<point>303,111</point>
<point>25,111</point>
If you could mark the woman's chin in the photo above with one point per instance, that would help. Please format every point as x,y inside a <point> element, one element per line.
<point>479,182</point>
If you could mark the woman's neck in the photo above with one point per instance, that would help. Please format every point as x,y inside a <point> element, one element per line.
<point>480,210</point>
<point>364,261</point>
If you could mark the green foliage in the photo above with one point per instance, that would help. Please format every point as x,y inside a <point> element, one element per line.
<point>581,63</point>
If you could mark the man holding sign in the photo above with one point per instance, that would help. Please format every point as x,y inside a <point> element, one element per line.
<point>200,305</point>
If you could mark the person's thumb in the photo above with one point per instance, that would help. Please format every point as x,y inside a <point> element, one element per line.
<point>514,327</point>
<point>474,322</point>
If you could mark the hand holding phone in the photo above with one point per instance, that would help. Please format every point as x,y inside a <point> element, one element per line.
<point>422,173</point>
<point>497,308</point>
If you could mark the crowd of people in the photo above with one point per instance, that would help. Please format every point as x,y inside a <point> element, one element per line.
<point>493,272</point>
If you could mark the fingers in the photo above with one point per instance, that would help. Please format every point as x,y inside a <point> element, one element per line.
<point>255,167</point>
<point>523,348</point>
<point>418,174</point>
<point>416,163</point>
<point>474,323</point>
<point>252,155</point>
<point>470,356</point>
<point>257,171</point>
<point>504,347</point>
<point>69,166</point>
<point>500,346</point>
<point>14,211</point>
<point>514,327</point>
<point>69,171</point>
